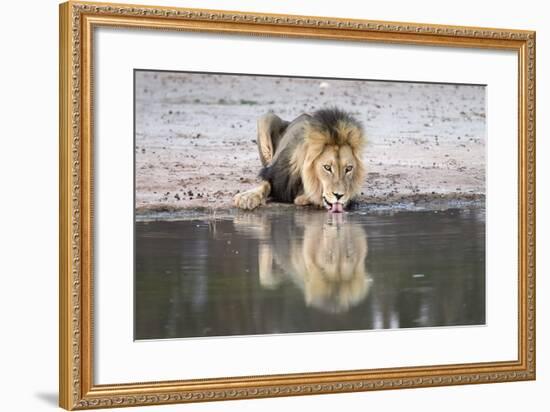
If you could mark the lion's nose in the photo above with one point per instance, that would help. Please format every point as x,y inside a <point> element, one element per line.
<point>338,196</point>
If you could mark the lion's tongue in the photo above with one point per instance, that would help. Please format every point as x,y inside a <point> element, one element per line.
<point>337,208</point>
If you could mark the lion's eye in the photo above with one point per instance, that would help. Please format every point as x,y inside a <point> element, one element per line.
<point>327,168</point>
<point>348,169</point>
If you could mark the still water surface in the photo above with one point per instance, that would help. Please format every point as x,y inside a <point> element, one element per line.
<point>309,271</point>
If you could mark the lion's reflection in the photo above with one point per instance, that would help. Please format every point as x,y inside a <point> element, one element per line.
<point>323,254</point>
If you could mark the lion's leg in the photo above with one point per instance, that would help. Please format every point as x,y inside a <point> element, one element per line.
<point>270,131</point>
<point>256,225</point>
<point>302,200</point>
<point>269,277</point>
<point>253,198</point>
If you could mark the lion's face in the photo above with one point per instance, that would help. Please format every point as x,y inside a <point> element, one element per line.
<point>332,170</point>
<point>334,274</point>
<point>336,169</point>
<point>323,254</point>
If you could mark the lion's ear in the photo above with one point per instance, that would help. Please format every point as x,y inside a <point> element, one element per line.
<point>312,152</point>
<point>315,134</point>
<point>356,139</point>
<point>315,140</point>
<point>352,134</point>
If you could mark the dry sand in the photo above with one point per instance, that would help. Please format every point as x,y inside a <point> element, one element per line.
<point>196,138</point>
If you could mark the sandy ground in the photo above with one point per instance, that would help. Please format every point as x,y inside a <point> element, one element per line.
<point>196,137</point>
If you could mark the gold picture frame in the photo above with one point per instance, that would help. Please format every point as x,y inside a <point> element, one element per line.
<point>76,385</point>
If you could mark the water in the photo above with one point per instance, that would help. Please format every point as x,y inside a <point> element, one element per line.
<point>291,271</point>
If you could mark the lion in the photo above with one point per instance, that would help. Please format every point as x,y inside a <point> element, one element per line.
<point>323,255</point>
<point>314,160</point>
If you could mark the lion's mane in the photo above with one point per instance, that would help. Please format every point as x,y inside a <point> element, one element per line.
<point>292,172</point>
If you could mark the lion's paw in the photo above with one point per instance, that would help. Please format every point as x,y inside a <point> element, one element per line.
<point>249,200</point>
<point>301,200</point>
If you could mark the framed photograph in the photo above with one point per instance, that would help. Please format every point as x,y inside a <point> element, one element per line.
<point>260,205</point>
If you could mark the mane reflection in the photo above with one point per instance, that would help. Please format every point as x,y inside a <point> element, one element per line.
<point>323,254</point>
